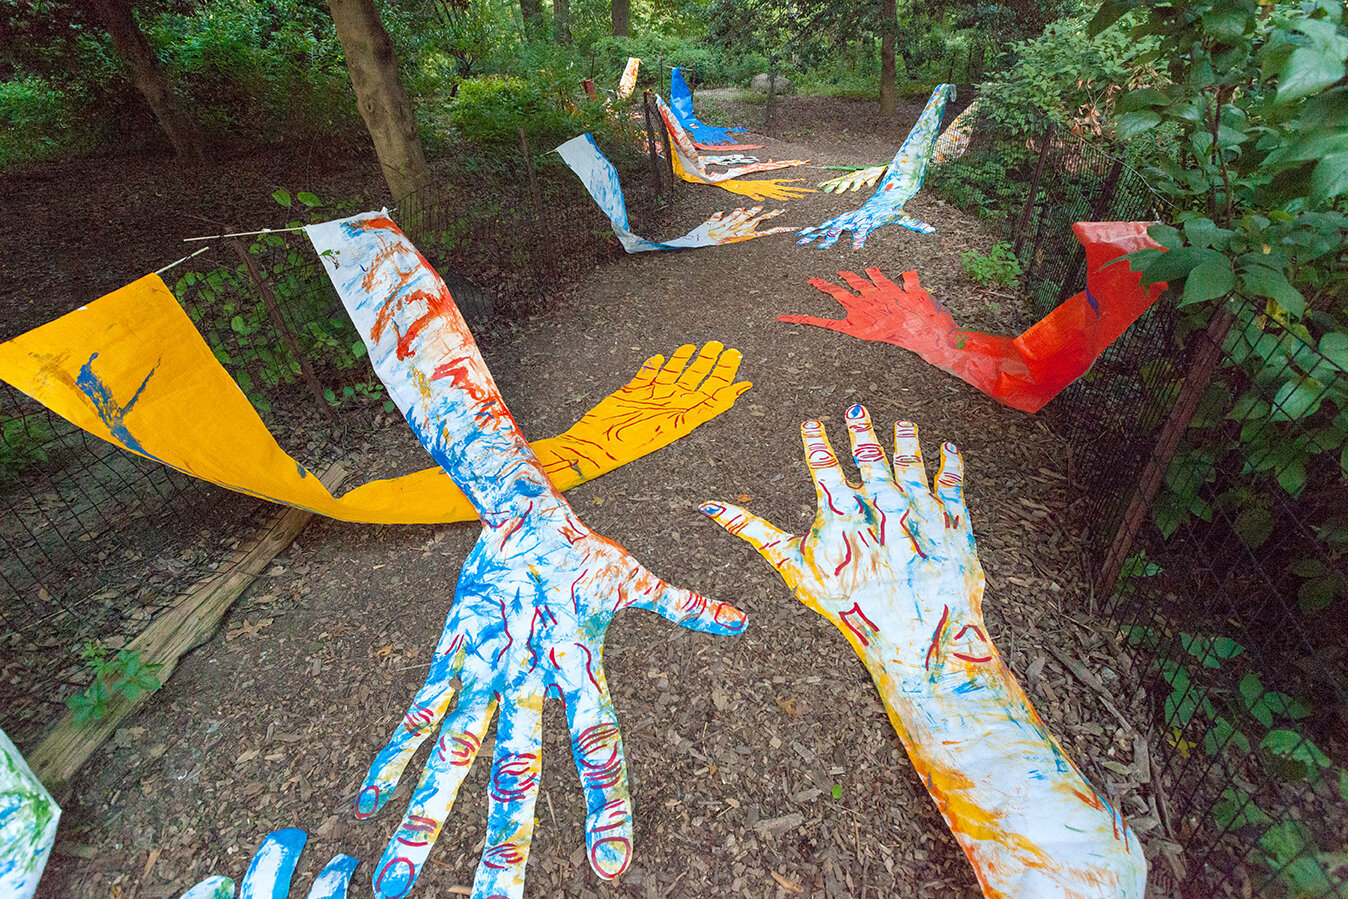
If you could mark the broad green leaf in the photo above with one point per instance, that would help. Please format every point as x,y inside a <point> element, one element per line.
<point>1106,15</point>
<point>282,196</point>
<point>1292,477</point>
<point>1307,71</point>
<point>1131,124</point>
<point>1201,232</point>
<point>1289,744</point>
<point>1165,235</point>
<point>1298,398</point>
<point>1210,279</point>
<point>358,348</point>
<point>1317,594</point>
<point>1173,264</point>
<point>1254,525</point>
<point>308,199</point>
<point>1330,178</point>
<point>1262,281</point>
<point>1226,648</point>
<point>1225,24</point>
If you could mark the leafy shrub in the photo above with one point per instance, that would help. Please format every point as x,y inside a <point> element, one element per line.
<point>714,66</point>
<point>490,111</point>
<point>999,267</point>
<point>21,444</point>
<point>34,120</point>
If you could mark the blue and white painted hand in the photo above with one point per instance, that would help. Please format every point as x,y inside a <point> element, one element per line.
<point>534,597</point>
<point>270,872</point>
<point>900,184</point>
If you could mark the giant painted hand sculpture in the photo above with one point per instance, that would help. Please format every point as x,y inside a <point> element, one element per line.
<point>893,566</point>
<point>681,98</point>
<point>952,143</point>
<point>1025,371</point>
<point>271,870</point>
<point>592,167</point>
<point>28,818</point>
<point>906,173</point>
<point>534,598</point>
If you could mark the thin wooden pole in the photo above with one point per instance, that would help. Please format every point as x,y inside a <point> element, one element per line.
<point>544,235</point>
<point>278,321</point>
<point>191,621</point>
<point>656,181</point>
<point>1153,475</point>
<point>1024,220</point>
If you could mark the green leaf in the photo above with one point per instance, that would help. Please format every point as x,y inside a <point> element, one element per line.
<point>390,406</point>
<point>1334,347</point>
<point>1292,478</point>
<point>1226,648</point>
<point>1307,71</point>
<point>1262,281</point>
<point>1210,279</point>
<point>837,791</point>
<point>1330,177</point>
<point>1201,232</point>
<point>1165,235</point>
<point>1297,747</point>
<point>1225,24</point>
<point>1108,13</point>
<point>308,199</point>
<point>1131,124</point>
<point>1254,525</point>
<point>282,196</point>
<point>1343,785</point>
<point>358,349</point>
<point>1298,398</point>
<point>1173,264</point>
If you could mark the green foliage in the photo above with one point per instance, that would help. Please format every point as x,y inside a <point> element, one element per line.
<point>999,267</point>
<point>1247,725</point>
<point>124,674</point>
<point>490,111</point>
<point>23,442</point>
<point>229,310</point>
<point>34,120</point>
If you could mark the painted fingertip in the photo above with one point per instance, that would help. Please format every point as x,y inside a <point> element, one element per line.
<point>610,857</point>
<point>396,877</point>
<point>858,412</point>
<point>367,801</point>
<point>711,509</point>
<point>950,448</point>
<point>905,428</point>
<point>812,427</point>
<point>730,617</point>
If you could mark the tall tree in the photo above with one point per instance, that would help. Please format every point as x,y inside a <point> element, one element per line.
<point>561,21</point>
<point>889,28</point>
<point>136,52</point>
<point>383,103</point>
<point>531,11</point>
<point>622,15</point>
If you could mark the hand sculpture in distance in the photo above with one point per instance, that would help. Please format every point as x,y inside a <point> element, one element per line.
<point>534,598</point>
<point>892,564</point>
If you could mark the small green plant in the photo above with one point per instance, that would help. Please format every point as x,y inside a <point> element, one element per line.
<point>21,444</point>
<point>999,267</point>
<point>125,673</point>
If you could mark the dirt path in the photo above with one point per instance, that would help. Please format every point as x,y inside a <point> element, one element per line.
<point>737,746</point>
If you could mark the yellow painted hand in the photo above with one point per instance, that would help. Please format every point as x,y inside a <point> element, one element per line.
<point>758,191</point>
<point>665,401</point>
<point>854,180</point>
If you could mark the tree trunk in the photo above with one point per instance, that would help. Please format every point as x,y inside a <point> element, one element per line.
<point>383,103</point>
<point>531,11</point>
<point>135,51</point>
<point>622,14</point>
<point>561,21</point>
<point>889,26</point>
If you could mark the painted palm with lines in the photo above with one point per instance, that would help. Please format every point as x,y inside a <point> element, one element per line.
<point>536,594</point>
<point>893,564</point>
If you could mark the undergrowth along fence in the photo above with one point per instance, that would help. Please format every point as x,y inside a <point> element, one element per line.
<point>1215,498</point>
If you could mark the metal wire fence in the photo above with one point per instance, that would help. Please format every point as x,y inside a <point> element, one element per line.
<point>1214,497</point>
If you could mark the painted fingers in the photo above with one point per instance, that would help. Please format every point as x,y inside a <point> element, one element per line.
<point>781,549</point>
<point>596,747</point>
<point>643,590</point>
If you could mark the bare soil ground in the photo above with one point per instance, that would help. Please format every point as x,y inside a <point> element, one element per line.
<point>735,745</point>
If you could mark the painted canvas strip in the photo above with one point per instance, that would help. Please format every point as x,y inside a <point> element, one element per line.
<point>628,82</point>
<point>688,166</point>
<point>681,98</point>
<point>893,566</point>
<point>132,369</point>
<point>600,178</point>
<point>272,868</point>
<point>901,183</point>
<point>533,600</point>
<point>952,143</point>
<point>1023,372</point>
<point>28,819</point>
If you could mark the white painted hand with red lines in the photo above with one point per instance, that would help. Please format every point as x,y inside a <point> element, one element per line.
<point>889,562</point>
<point>892,564</point>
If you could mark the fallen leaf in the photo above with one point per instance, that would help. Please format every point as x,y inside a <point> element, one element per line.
<point>787,883</point>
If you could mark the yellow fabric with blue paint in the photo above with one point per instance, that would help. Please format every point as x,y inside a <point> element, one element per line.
<point>132,369</point>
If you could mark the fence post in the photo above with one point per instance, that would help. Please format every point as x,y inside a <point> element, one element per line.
<point>544,235</point>
<point>1034,189</point>
<point>669,157</point>
<point>278,321</point>
<point>1153,475</point>
<point>656,181</point>
<point>1098,210</point>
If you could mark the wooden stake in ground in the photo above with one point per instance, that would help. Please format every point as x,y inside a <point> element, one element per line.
<point>191,621</point>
